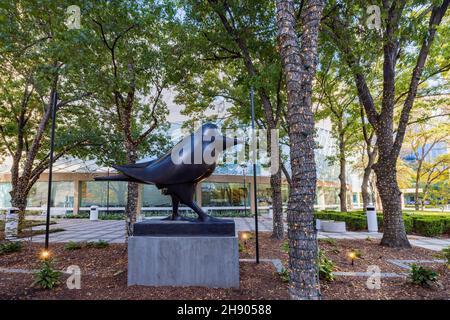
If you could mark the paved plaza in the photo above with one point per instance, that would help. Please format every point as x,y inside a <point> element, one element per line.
<point>80,230</point>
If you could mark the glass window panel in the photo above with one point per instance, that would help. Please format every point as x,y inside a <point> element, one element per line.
<point>222,194</point>
<point>96,193</point>
<point>152,197</point>
<point>264,194</point>
<point>331,196</point>
<point>5,197</point>
<point>62,194</point>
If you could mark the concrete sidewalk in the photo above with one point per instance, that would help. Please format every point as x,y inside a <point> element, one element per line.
<point>114,232</point>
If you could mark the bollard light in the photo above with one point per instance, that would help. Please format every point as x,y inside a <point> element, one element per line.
<point>352,256</point>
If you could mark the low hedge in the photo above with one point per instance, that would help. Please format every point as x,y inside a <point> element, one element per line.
<point>419,224</point>
<point>429,227</point>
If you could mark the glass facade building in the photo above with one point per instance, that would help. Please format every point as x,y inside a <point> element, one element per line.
<point>220,194</point>
<point>230,186</point>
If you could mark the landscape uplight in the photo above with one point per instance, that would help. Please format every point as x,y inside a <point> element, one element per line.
<point>352,256</point>
<point>45,254</point>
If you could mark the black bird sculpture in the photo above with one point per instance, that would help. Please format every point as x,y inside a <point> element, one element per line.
<point>178,171</point>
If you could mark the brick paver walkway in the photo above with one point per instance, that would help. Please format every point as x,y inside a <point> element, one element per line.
<point>114,232</point>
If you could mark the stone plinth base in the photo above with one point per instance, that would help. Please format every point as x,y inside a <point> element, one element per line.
<point>209,261</point>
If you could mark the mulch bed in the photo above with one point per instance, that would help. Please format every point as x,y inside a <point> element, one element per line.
<point>104,274</point>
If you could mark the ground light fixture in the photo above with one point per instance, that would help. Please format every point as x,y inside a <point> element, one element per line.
<point>45,254</point>
<point>352,256</point>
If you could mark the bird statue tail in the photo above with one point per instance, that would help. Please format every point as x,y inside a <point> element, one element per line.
<point>116,177</point>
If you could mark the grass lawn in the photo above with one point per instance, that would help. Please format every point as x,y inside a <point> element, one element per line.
<point>426,213</point>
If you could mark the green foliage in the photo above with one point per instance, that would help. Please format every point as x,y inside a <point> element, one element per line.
<point>71,245</point>
<point>81,215</point>
<point>446,254</point>
<point>422,224</point>
<point>335,250</point>
<point>326,267</point>
<point>100,244</point>
<point>42,231</point>
<point>129,77</point>
<point>10,247</point>
<point>111,216</point>
<point>284,275</point>
<point>285,246</point>
<point>429,227</point>
<point>242,247</point>
<point>212,72</point>
<point>330,241</point>
<point>47,277</point>
<point>422,276</point>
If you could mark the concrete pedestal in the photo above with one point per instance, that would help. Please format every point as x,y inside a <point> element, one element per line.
<point>209,261</point>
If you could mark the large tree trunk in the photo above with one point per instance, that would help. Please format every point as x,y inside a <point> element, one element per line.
<point>131,208</point>
<point>365,187</point>
<point>275,184</point>
<point>299,65</point>
<point>342,175</point>
<point>19,201</point>
<point>416,193</point>
<point>394,234</point>
<point>277,205</point>
<point>371,154</point>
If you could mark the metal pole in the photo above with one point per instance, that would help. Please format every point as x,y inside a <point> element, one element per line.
<point>245,192</point>
<point>50,166</point>
<point>107,195</point>
<point>254,173</point>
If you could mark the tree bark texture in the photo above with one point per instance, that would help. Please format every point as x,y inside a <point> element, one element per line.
<point>299,60</point>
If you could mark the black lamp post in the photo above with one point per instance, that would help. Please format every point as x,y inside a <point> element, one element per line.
<point>50,166</point>
<point>254,173</point>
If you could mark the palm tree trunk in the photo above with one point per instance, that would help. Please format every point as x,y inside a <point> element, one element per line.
<point>299,66</point>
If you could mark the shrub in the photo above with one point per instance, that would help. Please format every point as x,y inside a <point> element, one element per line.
<point>81,215</point>
<point>42,231</point>
<point>422,276</point>
<point>100,244</point>
<point>446,226</point>
<point>284,275</point>
<point>111,216</point>
<point>47,277</point>
<point>241,247</point>
<point>428,226</point>
<point>409,224</point>
<point>71,245</point>
<point>418,223</point>
<point>10,247</point>
<point>326,267</point>
<point>446,254</point>
<point>285,247</point>
<point>330,241</point>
